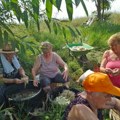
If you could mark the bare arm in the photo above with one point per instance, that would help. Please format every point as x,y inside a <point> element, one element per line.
<point>22,72</point>
<point>117,104</point>
<point>35,70</point>
<point>64,65</point>
<point>104,62</point>
<point>81,112</point>
<point>16,80</point>
<point>10,81</point>
<point>114,103</point>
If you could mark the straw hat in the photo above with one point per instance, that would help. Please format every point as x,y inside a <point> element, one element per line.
<point>7,48</point>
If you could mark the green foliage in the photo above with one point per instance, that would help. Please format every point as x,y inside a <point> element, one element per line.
<point>49,9</point>
<point>30,10</point>
<point>98,33</point>
<point>73,65</point>
<point>28,41</point>
<point>74,69</point>
<point>54,113</point>
<point>6,113</point>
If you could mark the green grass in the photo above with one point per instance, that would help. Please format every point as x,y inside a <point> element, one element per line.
<point>95,35</point>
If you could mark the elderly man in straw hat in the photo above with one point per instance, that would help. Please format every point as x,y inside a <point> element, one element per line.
<point>11,71</point>
<point>98,93</point>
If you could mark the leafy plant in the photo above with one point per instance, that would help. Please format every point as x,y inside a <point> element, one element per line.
<point>6,113</point>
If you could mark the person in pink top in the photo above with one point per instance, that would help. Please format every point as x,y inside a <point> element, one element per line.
<point>110,63</point>
<point>47,66</point>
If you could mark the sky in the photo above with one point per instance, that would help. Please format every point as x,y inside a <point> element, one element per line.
<point>79,11</point>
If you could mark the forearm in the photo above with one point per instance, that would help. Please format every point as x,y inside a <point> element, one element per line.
<point>6,80</point>
<point>36,68</point>
<point>117,104</point>
<point>22,72</point>
<point>103,69</point>
<point>66,67</point>
<point>33,74</point>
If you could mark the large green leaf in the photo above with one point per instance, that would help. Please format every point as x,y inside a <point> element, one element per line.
<point>49,9</point>
<point>16,9</point>
<point>77,2</point>
<point>25,18</point>
<point>73,34</point>
<point>6,5</point>
<point>78,31</point>
<point>5,36</point>
<point>38,24</point>
<point>59,27</point>
<point>55,27</point>
<point>64,32</point>
<point>48,24</point>
<point>69,7</point>
<point>57,3</point>
<point>1,38</point>
<point>35,6</point>
<point>43,1</point>
<point>28,46</point>
<point>6,27</point>
<point>22,48</point>
<point>84,6</point>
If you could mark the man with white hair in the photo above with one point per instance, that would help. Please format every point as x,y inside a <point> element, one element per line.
<point>98,94</point>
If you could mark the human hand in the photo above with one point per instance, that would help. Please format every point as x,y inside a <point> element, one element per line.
<point>25,79</point>
<point>110,104</point>
<point>18,81</point>
<point>65,74</point>
<point>116,71</point>
<point>35,83</point>
<point>113,103</point>
<point>108,71</point>
<point>117,103</point>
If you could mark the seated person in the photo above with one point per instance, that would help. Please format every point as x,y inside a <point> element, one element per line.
<point>110,63</point>
<point>47,65</point>
<point>11,72</point>
<point>98,94</point>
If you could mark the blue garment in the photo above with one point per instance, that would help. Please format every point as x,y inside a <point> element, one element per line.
<point>8,68</point>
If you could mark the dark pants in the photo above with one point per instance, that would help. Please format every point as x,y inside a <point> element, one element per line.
<point>100,114</point>
<point>2,95</point>
<point>8,87</point>
<point>45,81</point>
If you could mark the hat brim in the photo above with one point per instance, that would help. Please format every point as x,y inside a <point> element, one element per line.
<point>100,82</point>
<point>114,91</point>
<point>4,52</point>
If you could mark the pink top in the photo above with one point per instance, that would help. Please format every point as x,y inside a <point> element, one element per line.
<point>113,64</point>
<point>49,69</point>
